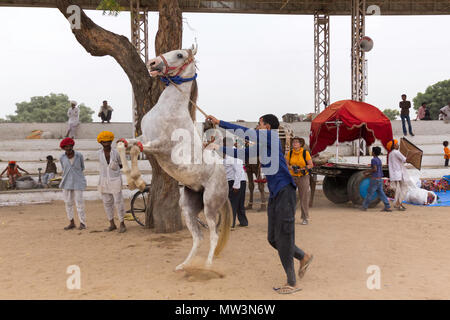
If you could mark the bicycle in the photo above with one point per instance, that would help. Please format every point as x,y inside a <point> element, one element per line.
<point>139,204</point>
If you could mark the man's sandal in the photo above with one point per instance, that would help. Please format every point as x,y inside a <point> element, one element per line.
<point>286,290</point>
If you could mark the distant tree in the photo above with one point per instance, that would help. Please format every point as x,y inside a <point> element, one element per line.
<point>436,96</point>
<point>51,108</point>
<point>391,113</point>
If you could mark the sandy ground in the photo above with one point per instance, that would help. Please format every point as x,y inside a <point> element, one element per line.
<point>412,250</point>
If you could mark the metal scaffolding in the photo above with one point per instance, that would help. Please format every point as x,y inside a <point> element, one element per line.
<point>358,57</point>
<point>321,61</point>
<point>139,39</point>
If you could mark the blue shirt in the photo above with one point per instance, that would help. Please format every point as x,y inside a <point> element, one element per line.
<point>376,162</point>
<point>278,177</point>
<point>72,176</point>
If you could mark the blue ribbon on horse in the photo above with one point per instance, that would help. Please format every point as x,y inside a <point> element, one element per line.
<point>177,79</point>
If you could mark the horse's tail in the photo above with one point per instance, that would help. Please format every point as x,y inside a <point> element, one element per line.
<point>223,227</point>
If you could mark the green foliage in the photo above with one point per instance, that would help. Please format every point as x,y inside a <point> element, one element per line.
<point>436,96</point>
<point>113,6</point>
<point>51,108</point>
<point>391,113</point>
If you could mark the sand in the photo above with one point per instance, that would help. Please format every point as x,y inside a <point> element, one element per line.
<point>412,250</point>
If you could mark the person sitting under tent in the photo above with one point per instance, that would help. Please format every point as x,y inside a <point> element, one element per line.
<point>12,172</point>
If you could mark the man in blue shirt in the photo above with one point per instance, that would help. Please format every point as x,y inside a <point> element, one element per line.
<point>376,182</point>
<point>282,199</point>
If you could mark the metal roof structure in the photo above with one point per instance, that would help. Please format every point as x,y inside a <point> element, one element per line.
<point>331,7</point>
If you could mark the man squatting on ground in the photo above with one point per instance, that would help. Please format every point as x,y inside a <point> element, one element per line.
<point>73,182</point>
<point>282,199</point>
<point>397,173</point>
<point>376,182</point>
<point>110,180</point>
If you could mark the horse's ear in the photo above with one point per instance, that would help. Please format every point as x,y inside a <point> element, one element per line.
<point>194,49</point>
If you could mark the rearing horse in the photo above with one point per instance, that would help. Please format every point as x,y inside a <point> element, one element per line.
<point>205,184</point>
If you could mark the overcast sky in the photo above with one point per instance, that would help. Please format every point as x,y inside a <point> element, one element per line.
<point>248,64</point>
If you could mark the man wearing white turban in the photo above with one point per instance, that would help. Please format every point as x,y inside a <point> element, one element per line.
<point>74,119</point>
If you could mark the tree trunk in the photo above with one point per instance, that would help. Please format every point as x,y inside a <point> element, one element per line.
<point>97,41</point>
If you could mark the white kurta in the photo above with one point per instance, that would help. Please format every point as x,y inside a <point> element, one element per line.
<point>110,184</point>
<point>74,120</point>
<point>396,166</point>
<point>110,178</point>
<point>235,171</point>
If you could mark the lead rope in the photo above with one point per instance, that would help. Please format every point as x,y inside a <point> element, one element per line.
<point>195,105</point>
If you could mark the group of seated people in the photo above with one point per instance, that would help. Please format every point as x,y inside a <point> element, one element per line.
<point>13,172</point>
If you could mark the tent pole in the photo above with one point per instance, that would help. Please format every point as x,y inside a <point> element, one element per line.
<point>359,144</point>
<point>337,141</point>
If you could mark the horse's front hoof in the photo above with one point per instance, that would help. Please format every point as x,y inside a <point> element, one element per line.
<point>179,268</point>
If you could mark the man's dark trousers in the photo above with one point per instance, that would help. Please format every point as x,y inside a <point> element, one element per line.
<point>237,200</point>
<point>281,230</point>
<point>406,117</point>
<point>107,117</point>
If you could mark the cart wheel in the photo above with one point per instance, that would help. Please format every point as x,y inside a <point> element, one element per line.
<point>357,187</point>
<point>139,206</point>
<point>335,189</point>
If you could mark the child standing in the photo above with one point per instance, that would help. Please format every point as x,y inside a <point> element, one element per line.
<point>446,153</point>
<point>376,182</point>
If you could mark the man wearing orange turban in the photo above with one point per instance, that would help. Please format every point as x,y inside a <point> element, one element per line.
<point>397,173</point>
<point>110,180</point>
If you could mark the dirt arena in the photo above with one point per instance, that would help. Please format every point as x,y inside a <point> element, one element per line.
<point>412,250</point>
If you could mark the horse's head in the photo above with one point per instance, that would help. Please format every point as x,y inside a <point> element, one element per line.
<point>174,63</point>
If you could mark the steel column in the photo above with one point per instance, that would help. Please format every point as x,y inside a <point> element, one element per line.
<point>359,74</point>
<point>321,61</point>
<point>139,39</point>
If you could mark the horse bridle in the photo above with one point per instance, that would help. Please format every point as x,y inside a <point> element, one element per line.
<point>171,70</point>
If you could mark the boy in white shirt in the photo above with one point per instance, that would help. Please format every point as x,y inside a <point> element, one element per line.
<point>237,185</point>
<point>110,181</point>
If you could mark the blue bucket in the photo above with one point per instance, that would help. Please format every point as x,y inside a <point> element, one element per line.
<point>364,187</point>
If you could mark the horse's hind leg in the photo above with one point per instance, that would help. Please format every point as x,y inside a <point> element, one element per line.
<point>191,204</point>
<point>214,198</point>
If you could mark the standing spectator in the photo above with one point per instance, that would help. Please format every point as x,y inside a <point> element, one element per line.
<point>73,182</point>
<point>110,180</point>
<point>237,185</point>
<point>50,171</point>
<point>376,182</point>
<point>299,163</point>
<point>404,114</point>
<point>445,112</point>
<point>105,112</point>
<point>12,172</point>
<point>397,173</point>
<point>421,112</point>
<point>446,153</point>
<point>74,119</point>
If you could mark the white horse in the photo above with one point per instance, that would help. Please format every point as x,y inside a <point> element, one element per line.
<point>205,185</point>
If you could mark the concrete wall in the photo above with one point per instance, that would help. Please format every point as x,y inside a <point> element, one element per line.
<point>13,131</point>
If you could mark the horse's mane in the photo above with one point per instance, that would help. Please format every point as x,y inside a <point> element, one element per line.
<point>194,96</point>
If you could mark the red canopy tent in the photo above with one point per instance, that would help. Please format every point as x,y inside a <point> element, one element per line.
<point>357,120</point>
